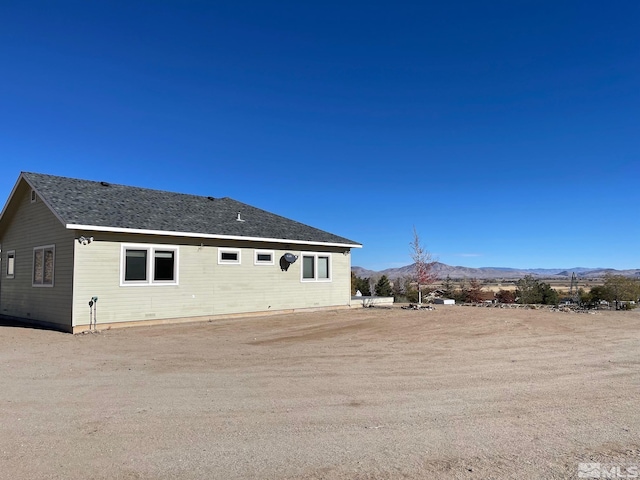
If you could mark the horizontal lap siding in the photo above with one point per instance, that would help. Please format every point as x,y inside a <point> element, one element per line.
<point>255,288</point>
<point>32,225</point>
<point>98,274</point>
<point>205,287</point>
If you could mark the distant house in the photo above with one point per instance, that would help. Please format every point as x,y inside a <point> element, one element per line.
<point>146,256</point>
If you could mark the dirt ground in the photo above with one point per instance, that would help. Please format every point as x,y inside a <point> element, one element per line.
<point>459,392</point>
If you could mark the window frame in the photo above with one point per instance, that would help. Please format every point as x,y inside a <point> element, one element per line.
<point>316,256</point>
<point>150,264</point>
<point>160,253</point>
<point>256,261</point>
<point>44,249</point>
<point>11,254</point>
<point>223,250</point>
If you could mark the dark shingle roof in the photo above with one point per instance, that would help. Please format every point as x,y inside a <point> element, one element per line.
<point>100,204</point>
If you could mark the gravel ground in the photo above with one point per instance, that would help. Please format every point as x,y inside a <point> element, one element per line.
<point>459,392</point>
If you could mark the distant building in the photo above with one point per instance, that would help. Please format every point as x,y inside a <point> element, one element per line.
<point>444,301</point>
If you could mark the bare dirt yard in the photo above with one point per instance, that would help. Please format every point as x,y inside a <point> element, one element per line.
<point>459,392</point>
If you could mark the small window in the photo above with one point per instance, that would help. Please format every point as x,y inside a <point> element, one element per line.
<point>264,257</point>
<point>163,270</point>
<point>316,267</point>
<point>229,255</point>
<point>149,265</point>
<point>34,196</point>
<point>11,264</point>
<point>43,266</point>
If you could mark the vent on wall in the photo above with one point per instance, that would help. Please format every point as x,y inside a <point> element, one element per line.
<point>34,196</point>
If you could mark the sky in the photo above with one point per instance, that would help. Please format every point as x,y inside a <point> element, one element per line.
<point>507,133</point>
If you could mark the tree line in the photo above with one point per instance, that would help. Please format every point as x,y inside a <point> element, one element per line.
<point>616,289</point>
<point>368,287</point>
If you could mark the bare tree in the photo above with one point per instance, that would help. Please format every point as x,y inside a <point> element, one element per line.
<point>422,263</point>
<point>475,290</point>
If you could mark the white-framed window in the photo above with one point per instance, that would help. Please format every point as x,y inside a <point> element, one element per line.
<point>264,257</point>
<point>231,256</point>
<point>43,266</point>
<point>316,267</point>
<point>11,264</point>
<point>142,264</point>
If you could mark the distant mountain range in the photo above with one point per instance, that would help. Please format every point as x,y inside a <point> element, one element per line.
<point>443,270</point>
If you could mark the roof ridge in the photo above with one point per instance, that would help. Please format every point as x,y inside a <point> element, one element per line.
<point>112,184</point>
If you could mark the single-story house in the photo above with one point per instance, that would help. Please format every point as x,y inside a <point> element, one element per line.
<point>77,253</point>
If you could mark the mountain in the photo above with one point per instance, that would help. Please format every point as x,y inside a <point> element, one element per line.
<point>443,270</point>
<point>364,273</point>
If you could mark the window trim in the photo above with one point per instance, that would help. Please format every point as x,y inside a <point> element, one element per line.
<point>160,253</point>
<point>44,248</point>
<point>11,254</point>
<point>316,256</point>
<point>222,250</point>
<point>151,249</point>
<point>264,262</point>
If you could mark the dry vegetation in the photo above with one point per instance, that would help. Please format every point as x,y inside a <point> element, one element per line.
<point>562,285</point>
<point>458,392</point>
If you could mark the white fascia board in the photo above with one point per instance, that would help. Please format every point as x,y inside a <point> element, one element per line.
<point>95,228</point>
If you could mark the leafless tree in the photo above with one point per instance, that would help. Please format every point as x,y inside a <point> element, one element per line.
<point>475,290</point>
<point>422,263</point>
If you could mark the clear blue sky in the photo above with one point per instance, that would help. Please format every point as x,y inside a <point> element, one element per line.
<point>507,132</point>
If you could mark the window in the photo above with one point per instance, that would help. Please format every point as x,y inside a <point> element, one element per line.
<point>135,269</point>
<point>264,257</point>
<point>316,267</point>
<point>11,264</point>
<point>229,255</point>
<point>163,270</point>
<point>149,265</point>
<point>323,268</point>
<point>308,267</point>
<point>43,266</point>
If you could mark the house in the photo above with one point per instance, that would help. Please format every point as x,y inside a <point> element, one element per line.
<point>76,253</point>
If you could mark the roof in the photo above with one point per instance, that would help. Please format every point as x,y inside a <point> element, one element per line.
<point>101,206</point>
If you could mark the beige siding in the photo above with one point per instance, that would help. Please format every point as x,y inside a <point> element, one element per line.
<point>27,225</point>
<point>205,287</point>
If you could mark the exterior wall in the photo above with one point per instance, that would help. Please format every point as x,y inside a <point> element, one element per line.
<point>205,287</point>
<point>27,225</point>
